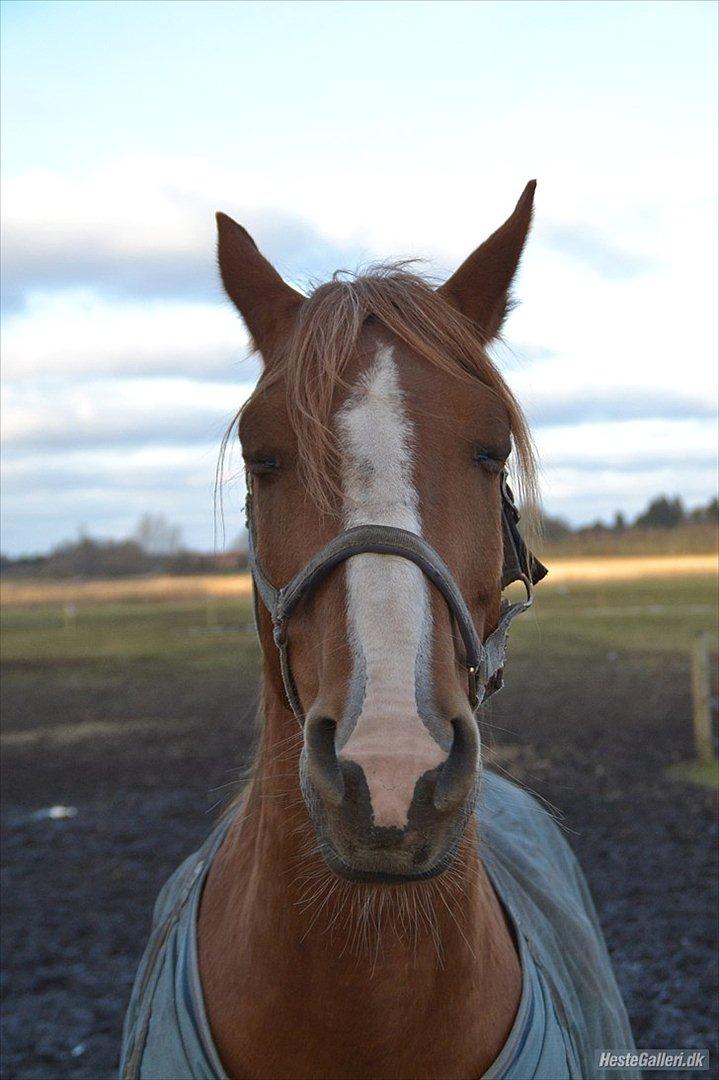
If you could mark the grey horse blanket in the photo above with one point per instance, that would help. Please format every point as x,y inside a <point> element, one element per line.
<point>570,1007</point>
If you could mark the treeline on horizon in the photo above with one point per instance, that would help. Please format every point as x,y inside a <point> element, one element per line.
<point>661,513</point>
<point>156,545</point>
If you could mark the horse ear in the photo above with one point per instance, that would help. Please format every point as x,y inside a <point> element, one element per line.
<point>480,288</point>
<point>266,303</point>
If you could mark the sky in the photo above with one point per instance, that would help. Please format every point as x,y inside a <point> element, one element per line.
<point>339,133</point>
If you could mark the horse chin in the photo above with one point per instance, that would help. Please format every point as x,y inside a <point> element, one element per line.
<point>382,874</point>
<point>385,856</point>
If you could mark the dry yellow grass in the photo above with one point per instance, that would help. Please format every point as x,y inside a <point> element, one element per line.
<point>119,590</point>
<point>630,568</point>
<point>167,588</point>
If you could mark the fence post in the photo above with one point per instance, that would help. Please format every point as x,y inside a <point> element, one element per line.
<point>701,697</point>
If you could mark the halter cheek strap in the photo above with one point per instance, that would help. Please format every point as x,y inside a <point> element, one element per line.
<point>484,661</point>
<point>518,559</point>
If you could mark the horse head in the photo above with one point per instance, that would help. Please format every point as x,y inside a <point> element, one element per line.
<point>376,446</point>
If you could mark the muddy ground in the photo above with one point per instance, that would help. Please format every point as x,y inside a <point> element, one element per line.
<point>143,751</point>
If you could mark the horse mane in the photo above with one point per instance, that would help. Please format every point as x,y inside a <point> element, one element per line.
<point>325,336</point>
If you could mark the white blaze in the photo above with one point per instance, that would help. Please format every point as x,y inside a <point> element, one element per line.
<point>388,596</point>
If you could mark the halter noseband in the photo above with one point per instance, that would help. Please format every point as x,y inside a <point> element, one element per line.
<point>484,661</point>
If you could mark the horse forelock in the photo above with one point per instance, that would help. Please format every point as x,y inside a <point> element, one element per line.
<point>326,336</point>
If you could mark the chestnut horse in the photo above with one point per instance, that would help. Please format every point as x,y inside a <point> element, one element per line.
<point>355,918</point>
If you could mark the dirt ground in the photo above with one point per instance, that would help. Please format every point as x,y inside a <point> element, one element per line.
<point>144,750</point>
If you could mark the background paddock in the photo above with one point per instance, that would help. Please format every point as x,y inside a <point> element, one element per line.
<point>132,704</point>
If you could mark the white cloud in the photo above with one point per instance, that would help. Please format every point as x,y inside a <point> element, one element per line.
<point>672,446</point>
<point>119,336</point>
<point>143,228</point>
<point>48,496</point>
<point>66,335</point>
<point>118,412</point>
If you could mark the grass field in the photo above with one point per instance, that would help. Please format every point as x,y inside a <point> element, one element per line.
<point>582,607</point>
<point>572,623</point>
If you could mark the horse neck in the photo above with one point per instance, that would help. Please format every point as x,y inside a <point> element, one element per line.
<point>305,974</point>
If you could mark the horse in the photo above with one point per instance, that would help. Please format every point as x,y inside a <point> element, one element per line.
<point>376,904</point>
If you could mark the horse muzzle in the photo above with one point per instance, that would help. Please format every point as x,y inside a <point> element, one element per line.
<point>339,801</point>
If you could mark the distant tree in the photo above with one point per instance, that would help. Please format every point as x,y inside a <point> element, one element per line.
<point>620,522</point>
<point>90,558</point>
<point>706,515</point>
<point>597,526</point>
<point>157,536</point>
<point>22,565</point>
<point>555,528</point>
<point>662,513</point>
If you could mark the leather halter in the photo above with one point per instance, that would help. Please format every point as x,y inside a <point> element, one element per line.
<point>484,661</point>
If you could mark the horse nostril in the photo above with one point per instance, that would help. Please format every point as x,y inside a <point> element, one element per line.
<point>322,764</point>
<point>458,775</point>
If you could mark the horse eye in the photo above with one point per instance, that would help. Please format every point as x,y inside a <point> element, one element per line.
<point>261,466</point>
<point>491,460</point>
